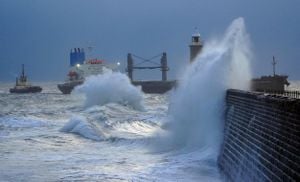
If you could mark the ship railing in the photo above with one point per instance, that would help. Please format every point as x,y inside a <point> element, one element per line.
<point>286,93</point>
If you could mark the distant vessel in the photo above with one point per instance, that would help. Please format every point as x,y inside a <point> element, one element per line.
<point>81,68</point>
<point>270,83</point>
<point>164,85</point>
<point>23,86</point>
<point>153,86</point>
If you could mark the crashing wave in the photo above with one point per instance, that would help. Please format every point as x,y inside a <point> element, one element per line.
<point>197,106</point>
<point>111,87</point>
<point>79,125</point>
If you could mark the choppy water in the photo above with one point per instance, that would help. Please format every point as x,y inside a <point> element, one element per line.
<point>113,142</point>
<point>52,137</point>
<point>110,131</point>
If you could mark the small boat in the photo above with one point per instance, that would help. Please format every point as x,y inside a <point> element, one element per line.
<point>23,86</point>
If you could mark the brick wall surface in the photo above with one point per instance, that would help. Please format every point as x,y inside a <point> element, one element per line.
<point>261,138</point>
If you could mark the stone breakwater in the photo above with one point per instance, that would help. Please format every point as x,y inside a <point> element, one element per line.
<point>261,138</point>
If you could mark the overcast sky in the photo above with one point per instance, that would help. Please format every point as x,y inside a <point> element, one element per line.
<point>40,33</point>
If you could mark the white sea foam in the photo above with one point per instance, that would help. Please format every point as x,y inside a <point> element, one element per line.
<point>80,126</point>
<point>138,128</point>
<point>21,122</point>
<point>294,85</point>
<point>111,87</point>
<point>196,107</point>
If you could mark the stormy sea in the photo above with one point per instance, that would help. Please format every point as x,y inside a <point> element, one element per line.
<point>109,130</point>
<point>53,137</point>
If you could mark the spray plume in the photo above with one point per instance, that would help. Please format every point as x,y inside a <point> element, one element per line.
<point>197,106</point>
<point>111,87</point>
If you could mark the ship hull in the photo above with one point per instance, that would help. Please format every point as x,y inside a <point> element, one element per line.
<point>32,89</point>
<point>66,88</point>
<point>155,87</point>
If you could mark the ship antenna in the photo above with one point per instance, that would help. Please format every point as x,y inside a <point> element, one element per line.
<point>90,49</point>
<point>274,64</point>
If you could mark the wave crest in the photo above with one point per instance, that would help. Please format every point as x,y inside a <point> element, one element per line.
<point>82,127</point>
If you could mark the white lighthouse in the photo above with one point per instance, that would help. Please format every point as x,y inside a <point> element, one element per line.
<point>195,46</point>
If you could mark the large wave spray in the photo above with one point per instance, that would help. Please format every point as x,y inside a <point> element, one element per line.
<point>111,87</point>
<point>197,105</point>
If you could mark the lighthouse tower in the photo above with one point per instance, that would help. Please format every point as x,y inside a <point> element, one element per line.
<point>195,46</point>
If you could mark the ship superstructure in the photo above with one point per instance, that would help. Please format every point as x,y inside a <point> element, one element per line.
<point>270,83</point>
<point>81,68</point>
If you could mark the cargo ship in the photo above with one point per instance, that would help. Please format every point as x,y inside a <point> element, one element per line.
<point>23,86</point>
<point>151,86</point>
<point>164,85</point>
<point>81,68</point>
<point>270,83</point>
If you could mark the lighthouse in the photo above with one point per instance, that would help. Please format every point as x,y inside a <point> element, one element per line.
<point>195,46</point>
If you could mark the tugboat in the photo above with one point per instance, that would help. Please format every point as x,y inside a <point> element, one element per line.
<point>81,68</point>
<point>23,86</point>
<point>270,83</point>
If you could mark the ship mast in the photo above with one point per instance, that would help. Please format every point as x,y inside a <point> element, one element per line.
<point>23,77</point>
<point>274,64</point>
<point>23,72</point>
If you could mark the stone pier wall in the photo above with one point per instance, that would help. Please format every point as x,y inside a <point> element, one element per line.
<point>261,138</point>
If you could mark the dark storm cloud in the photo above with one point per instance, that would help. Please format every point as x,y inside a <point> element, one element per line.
<point>41,33</point>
